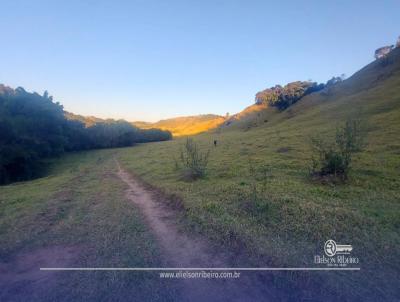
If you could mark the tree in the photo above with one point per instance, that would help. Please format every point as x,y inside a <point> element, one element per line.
<point>333,81</point>
<point>334,158</point>
<point>33,127</point>
<point>283,97</point>
<point>382,52</point>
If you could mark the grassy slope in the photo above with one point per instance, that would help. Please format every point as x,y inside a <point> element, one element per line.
<point>179,126</point>
<point>290,223</point>
<point>186,125</point>
<point>81,203</point>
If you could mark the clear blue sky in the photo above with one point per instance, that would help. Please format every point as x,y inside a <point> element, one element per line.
<point>147,60</point>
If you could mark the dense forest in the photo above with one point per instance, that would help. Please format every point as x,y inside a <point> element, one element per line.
<point>34,127</point>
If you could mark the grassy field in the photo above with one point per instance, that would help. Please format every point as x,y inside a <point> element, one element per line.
<point>80,205</point>
<point>292,216</point>
<point>256,200</point>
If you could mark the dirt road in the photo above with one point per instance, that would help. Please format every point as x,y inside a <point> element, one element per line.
<point>182,250</point>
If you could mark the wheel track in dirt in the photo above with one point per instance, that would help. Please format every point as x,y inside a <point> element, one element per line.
<point>181,250</point>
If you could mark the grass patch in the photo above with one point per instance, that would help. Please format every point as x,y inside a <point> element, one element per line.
<point>81,203</point>
<point>292,216</point>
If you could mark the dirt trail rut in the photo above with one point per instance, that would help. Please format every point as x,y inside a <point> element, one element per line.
<point>180,250</point>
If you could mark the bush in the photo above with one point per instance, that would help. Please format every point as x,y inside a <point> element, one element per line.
<point>253,197</point>
<point>333,159</point>
<point>193,160</point>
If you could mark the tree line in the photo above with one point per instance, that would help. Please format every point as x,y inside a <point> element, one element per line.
<point>283,97</point>
<point>33,127</point>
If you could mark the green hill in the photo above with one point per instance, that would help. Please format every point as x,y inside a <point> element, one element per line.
<point>362,90</point>
<point>286,223</point>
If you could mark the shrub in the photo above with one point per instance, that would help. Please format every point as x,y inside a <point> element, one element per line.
<point>253,198</point>
<point>333,159</point>
<point>193,160</point>
<point>383,52</point>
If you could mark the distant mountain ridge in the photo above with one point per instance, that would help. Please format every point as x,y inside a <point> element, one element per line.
<point>87,120</point>
<point>178,126</point>
<point>185,125</point>
<point>264,110</point>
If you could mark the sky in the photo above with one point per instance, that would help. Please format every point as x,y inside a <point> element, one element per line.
<point>148,60</point>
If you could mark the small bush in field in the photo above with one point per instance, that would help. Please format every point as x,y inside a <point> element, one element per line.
<point>194,161</point>
<point>333,159</point>
<point>254,200</point>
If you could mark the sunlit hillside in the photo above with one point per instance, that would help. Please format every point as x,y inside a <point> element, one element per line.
<point>186,125</point>
<point>355,95</point>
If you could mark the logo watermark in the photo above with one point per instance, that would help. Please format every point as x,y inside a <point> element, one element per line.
<point>336,255</point>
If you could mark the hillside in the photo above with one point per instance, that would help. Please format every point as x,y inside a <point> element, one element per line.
<point>257,196</point>
<point>179,126</point>
<point>362,82</point>
<point>186,125</point>
<point>88,121</point>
